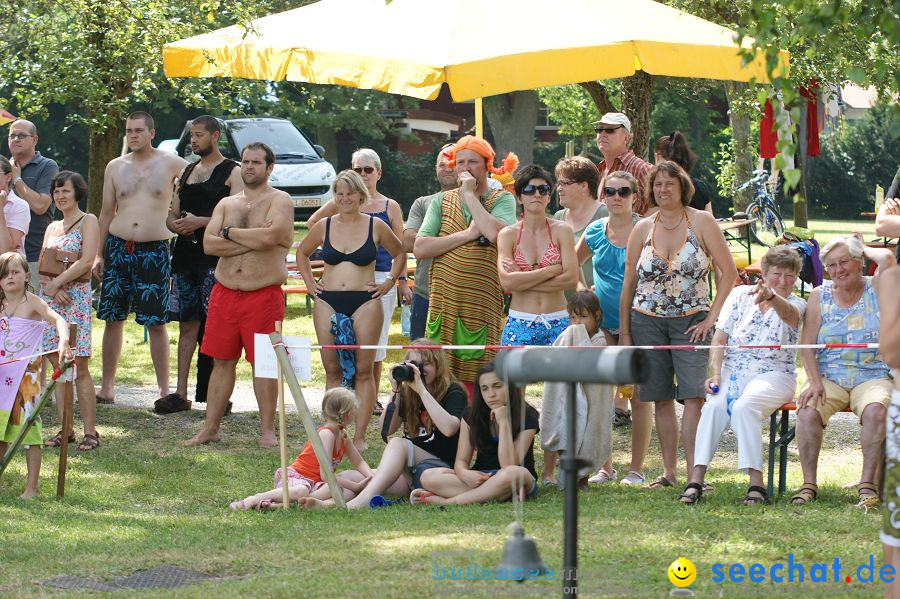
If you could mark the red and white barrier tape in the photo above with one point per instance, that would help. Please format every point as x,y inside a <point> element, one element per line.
<point>28,358</point>
<point>653,347</point>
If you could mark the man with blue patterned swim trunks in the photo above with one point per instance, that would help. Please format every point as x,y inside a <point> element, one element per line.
<point>133,259</point>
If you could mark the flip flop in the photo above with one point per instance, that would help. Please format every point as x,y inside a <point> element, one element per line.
<point>661,482</point>
<point>105,400</point>
<point>420,498</point>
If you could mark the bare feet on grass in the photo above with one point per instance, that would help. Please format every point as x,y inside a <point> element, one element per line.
<point>202,438</point>
<point>267,440</point>
<point>311,503</point>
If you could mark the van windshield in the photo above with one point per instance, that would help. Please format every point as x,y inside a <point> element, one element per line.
<point>282,136</point>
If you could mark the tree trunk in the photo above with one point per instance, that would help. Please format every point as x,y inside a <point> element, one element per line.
<point>742,146</point>
<point>512,118</point>
<point>636,100</point>
<point>599,95</point>
<point>103,146</point>
<point>325,136</point>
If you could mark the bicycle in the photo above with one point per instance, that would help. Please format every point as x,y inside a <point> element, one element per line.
<point>768,226</point>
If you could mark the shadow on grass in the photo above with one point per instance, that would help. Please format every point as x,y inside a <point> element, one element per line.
<point>142,500</point>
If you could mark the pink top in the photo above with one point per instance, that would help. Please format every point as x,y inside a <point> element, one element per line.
<point>551,254</point>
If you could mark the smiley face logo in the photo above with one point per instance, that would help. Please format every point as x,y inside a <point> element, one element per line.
<point>682,572</point>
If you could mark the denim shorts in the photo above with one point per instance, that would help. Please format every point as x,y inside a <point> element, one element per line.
<point>427,464</point>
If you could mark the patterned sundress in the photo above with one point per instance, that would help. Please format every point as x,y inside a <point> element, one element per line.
<point>19,338</point>
<point>80,311</point>
<point>466,300</point>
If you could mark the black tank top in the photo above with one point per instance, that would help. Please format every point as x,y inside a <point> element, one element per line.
<point>199,199</point>
<point>361,256</point>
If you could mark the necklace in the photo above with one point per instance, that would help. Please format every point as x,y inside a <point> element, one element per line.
<point>24,297</point>
<point>673,227</point>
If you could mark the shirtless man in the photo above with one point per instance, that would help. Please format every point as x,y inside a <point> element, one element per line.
<point>133,259</point>
<point>251,232</point>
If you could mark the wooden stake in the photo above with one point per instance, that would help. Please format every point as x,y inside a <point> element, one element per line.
<point>68,417</point>
<point>282,433</point>
<point>306,418</point>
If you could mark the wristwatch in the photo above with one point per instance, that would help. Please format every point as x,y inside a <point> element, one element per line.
<point>16,182</point>
<point>225,231</point>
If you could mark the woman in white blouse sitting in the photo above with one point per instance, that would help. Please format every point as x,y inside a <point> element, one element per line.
<point>763,314</point>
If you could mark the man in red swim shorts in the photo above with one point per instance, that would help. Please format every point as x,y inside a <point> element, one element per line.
<point>251,232</point>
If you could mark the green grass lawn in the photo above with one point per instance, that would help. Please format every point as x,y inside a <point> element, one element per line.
<point>143,500</point>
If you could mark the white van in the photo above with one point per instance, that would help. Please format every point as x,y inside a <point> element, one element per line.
<point>300,169</point>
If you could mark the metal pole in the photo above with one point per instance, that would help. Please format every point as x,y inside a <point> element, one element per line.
<point>569,464</point>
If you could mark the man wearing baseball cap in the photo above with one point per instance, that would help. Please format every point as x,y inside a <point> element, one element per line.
<point>614,141</point>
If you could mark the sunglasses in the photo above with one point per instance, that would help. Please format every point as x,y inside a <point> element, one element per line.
<point>530,190</point>
<point>364,169</point>
<point>600,130</point>
<point>624,192</point>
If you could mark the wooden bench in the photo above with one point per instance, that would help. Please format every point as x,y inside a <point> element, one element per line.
<point>299,289</point>
<point>780,436</point>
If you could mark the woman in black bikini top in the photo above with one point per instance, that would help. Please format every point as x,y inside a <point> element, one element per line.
<point>349,240</point>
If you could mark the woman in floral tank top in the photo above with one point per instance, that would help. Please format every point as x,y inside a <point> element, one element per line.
<point>666,301</point>
<point>70,295</point>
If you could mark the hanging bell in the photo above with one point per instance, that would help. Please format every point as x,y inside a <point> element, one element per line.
<point>520,557</point>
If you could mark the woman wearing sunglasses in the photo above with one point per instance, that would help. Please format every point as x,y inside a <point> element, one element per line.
<point>536,263</point>
<point>604,242</point>
<point>388,271</point>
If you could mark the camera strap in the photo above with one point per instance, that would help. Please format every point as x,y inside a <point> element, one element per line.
<point>388,416</point>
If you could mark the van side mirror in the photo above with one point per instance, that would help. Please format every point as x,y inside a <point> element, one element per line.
<point>319,149</point>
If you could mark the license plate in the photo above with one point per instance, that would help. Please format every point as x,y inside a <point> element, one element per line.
<point>307,202</point>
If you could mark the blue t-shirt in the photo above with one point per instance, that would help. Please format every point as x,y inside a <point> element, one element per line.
<point>609,270</point>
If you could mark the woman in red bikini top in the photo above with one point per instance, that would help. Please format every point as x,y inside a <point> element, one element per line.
<point>536,262</point>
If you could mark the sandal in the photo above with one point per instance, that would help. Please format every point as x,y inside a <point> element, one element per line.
<point>105,400</point>
<point>603,476</point>
<point>378,409</point>
<point>89,442</point>
<point>56,440</point>
<point>621,418</point>
<point>807,494</point>
<point>633,478</point>
<point>171,404</point>
<point>662,482</point>
<point>752,499</point>
<point>692,498</point>
<point>868,496</point>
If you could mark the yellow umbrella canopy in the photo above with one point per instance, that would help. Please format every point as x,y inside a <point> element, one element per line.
<point>6,117</point>
<point>478,47</point>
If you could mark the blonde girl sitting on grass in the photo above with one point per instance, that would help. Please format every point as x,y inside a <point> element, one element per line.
<point>305,478</point>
